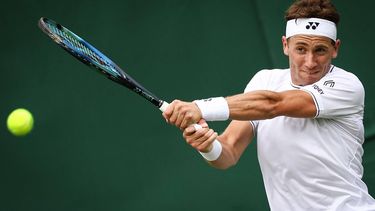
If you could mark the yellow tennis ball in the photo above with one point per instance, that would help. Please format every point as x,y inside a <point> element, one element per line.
<point>20,122</point>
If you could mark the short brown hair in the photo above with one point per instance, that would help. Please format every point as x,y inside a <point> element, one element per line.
<point>313,9</point>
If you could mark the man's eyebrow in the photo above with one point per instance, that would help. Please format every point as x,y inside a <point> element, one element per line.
<point>301,43</point>
<point>315,46</point>
<point>321,46</point>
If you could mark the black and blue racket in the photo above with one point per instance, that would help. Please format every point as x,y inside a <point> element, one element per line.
<point>92,57</point>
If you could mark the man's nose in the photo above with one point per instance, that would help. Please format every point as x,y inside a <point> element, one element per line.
<point>310,61</point>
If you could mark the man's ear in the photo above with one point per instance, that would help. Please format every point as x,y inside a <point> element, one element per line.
<point>285,45</point>
<point>336,51</point>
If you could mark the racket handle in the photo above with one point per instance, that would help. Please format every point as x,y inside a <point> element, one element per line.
<point>164,106</point>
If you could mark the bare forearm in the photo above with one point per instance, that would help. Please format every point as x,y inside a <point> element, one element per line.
<point>234,140</point>
<point>253,105</point>
<point>226,159</point>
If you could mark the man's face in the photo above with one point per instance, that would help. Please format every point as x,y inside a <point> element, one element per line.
<point>309,57</point>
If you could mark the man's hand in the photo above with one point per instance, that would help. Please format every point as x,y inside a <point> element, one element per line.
<point>201,139</point>
<point>182,114</point>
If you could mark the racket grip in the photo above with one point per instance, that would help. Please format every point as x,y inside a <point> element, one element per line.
<point>165,105</point>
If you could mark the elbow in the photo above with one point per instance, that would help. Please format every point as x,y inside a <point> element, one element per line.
<point>229,159</point>
<point>224,167</point>
<point>271,111</point>
<point>274,106</point>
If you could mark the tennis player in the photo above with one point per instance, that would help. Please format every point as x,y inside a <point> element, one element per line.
<point>308,120</point>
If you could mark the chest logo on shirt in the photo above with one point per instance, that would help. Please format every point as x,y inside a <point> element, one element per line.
<point>317,88</point>
<point>329,83</point>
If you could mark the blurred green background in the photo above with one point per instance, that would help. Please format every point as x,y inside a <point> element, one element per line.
<point>97,146</point>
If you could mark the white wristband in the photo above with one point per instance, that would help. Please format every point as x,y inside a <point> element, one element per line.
<point>215,152</point>
<point>213,109</point>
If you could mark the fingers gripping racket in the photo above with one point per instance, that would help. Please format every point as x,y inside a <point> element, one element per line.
<point>89,55</point>
<point>92,57</point>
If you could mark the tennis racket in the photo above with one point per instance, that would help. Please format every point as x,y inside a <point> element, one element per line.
<point>92,57</point>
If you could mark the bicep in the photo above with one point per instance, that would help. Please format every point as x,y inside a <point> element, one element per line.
<point>296,103</point>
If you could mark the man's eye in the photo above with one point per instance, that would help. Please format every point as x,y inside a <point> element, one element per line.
<point>321,50</point>
<point>300,50</point>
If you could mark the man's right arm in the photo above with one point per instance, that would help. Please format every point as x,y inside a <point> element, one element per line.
<point>234,141</point>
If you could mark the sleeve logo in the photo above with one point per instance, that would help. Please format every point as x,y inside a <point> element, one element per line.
<point>329,83</point>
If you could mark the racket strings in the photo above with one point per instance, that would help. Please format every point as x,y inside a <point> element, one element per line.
<point>89,55</point>
<point>79,48</point>
<point>76,44</point>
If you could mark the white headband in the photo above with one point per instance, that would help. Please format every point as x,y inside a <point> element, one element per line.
<point>311,26</point>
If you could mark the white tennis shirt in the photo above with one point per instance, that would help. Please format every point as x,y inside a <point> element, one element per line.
<point>314,163</point>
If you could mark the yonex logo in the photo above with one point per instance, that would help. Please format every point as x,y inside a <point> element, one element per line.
<point>318,89</point>
<point>312,25</point>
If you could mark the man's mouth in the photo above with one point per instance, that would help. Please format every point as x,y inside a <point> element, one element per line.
<point>311,72</point>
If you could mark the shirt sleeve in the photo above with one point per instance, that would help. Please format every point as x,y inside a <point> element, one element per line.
<point>337,95</point>
<point>258,81</point>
